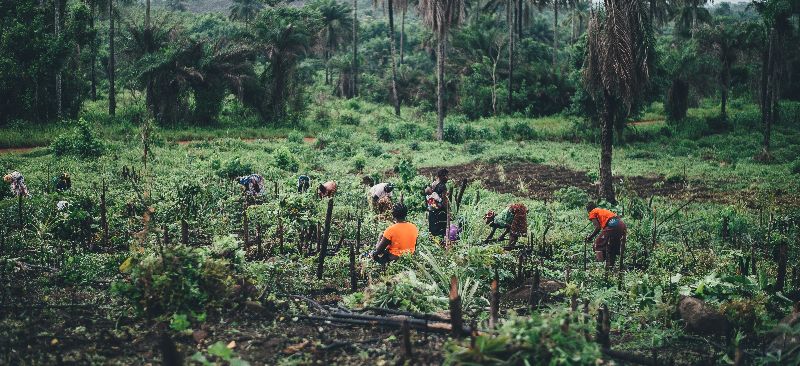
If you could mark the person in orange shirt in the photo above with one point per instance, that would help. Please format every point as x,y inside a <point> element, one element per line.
<point>398,239</point>
<point>612,230</point>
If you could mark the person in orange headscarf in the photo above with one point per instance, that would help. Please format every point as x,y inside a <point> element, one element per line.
<point>612,230</point>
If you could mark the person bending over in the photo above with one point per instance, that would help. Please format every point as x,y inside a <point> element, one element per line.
<point>398,239</point>
<point>327,189</point>
<point>513,220</point>
<point>612,230</point>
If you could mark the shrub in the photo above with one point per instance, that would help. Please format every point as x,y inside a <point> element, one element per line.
<point>184,280</point>
<point>453,134</point>
<point>796,167</point>
<point>572,197</point>
<point>474,148</point>
<point>406,170</point>
<point>285,160</point>
<point>359,162</point>
<point>234,168</point>
<point>295,137</point>
<point>522,131</point>
<point>349,119</point>
<point>385,134</point>
<point>373,150</point>
<point>403,291</point>
<point>414,146</point>
<point>542,337</point>
<point>80,142</point>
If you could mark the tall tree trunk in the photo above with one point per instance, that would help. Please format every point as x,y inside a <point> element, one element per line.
<point>768,94</point>
<point>555,37</point>
<point>402,33</point>
<point>510,19</point>
<point>519,18</point>
<point>147,14</point>
<point>57,24</point>
<point>694,20</point>
<point>606,147</point>
<point>440,80</point>
<point>653,13</point>
<point>395,97</point>
<point>355,49</point>
<point>726,76</point>
<point>112,90</point>
<point>328,55</point>
<point>93,57</point>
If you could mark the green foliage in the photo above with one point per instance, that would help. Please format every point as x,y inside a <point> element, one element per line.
<point>81,142</point>
<point>403,291</point>
<point>180,279</point>
<point>295,137</point>
<point>385,134</point>
<point>716,288</point>
<point>233,168</point>
<point>572,197</point>
<point>474,148</point>
<point>406,170</point>
<point>349,119</point>
<point>542,337</point>
<point>359,163</point>
<point>795,169</point>
<point>286,160</point>
<point>221,353</point>
<point>453,134</point>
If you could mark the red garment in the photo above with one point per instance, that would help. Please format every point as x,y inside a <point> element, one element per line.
<point>602,215</point>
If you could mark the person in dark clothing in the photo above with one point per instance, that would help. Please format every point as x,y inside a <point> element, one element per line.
<point>303,182</point>
<point>436,198</point>
<point>613,233</point>
<point>62,182</point>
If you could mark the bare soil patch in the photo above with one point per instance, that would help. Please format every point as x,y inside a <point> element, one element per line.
<point>541,181</point>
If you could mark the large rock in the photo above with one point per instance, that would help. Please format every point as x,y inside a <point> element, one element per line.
<point>701,318</point>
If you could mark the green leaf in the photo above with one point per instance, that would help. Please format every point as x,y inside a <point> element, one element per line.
<point>218,349</point>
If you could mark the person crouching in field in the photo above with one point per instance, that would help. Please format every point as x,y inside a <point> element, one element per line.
<point>612,230</point>
<point>513,220</point>
<point>327,189</point>
<point>436,199</point>
<point>381,196</point>
<point>253,184</point>
<point>398,239</point>
<point>303,182</point>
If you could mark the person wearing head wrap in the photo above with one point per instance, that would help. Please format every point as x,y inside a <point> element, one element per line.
<point>303,182</point>
<point>17,182</point>
<point>327,189</point>
<point>513,219</point>
<point>253,184</point>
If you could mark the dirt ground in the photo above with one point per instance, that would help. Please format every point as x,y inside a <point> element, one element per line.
<point>541,181</point>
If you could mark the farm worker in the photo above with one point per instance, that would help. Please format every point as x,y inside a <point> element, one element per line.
<point>398,239</point>
<point>62,182</point>
<point>327,189</point>
<point>253,184</point>
<point>436,199</point>
<point>612,230</point>
<point>381,190</point>
<point>303,182</point>
<point>513,219</point>
<point>17,182</point>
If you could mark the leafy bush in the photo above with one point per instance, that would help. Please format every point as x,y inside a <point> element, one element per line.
<point>234,168</point>
<point>474,148</point>
<point>795,167</point>
<point>402,291</point>
<point>385,134</point>
<point>572,197</point>
<point>286,160</point>
<point>76,222</point>
<point>349,119</point>
<point>542,337</point>
<point>453,134</point>
<point>359,162</point>
<point>182,279</point>
<point>522,131</point>
<point>80,142</point>
<point>414,146</point>
<point>373,150</point>
<point>406,170</point>
<point>295,137</point>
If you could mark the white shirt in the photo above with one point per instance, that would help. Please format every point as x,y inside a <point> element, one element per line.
<point>379,191</point>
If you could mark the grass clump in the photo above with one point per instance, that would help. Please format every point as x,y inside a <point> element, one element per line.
<point>80,142</point>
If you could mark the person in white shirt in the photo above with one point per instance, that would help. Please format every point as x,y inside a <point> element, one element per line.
<point>380,190</point>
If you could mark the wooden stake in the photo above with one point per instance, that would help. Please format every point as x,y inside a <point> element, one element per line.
<point>184,232</point>
<point>326,236</point>
<point>535,296</point>
<point>165,231</point>
<point>19,211</point>
<point>245,224</point>
<point>104,214</point>
<point>603,327</point>
<point>494,303</point>
<point>460,194</point>
<point>781,280</point>
<point>358,230</point>
<point>353,278</point>
<point>408,353</point>
<point>456,320</point>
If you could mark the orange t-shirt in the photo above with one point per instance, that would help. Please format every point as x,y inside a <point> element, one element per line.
<point>602,215</point>
<point>403,236</point>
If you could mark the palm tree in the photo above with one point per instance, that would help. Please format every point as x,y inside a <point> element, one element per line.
<point>57,24</point>
<point>245,10</point>
<point>336,19</point>
<point>725,40</point>
<point>112,90</point>
<point>660,12</point>
<point>576,18</point>
<point>690,14</point>
<point>355,48</point>
<point>440,16</point>
<point>618,59</point>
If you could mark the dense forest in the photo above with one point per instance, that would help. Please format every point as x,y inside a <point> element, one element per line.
<point>228,182</point>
